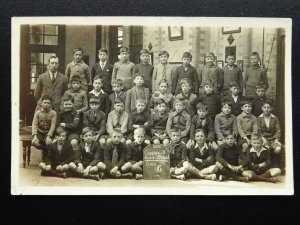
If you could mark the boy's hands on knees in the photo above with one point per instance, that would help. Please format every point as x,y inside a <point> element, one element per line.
<point>35,140</point>
<point>248,140</point>
<point>140,163</point>
<point>265,141</point>
<point>198,160</point>
<point>114,170</point>
<point>62,124</point>
<point>59,167</point>
<point>48,140</point>
<point>135,126</point>
<point>80,167</point>
<point>96,138</point>
<point>86,171</point>
<point>48,167</point>
<point>146,124</point>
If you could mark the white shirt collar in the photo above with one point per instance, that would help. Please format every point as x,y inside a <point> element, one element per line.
<point>97,94</point>
<point>204,146</point>
<point>262,115</point>
<point>258,153</point>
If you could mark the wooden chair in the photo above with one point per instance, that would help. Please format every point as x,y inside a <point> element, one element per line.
<point>26,138</point>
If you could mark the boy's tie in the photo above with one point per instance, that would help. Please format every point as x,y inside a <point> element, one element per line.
<point>114,159</point>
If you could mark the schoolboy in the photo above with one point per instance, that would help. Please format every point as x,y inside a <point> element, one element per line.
<point>231,72</point>
<point>269,128</point>
<point>186,94</point>
<point>43,125</point>
<point>88,158</point>
<point>211,99</point>
<point>70,120</point>
<point>79,96</point>
<point>103,69</point>
<point>246,124</point>
<point>59,155</point>
<point>210,73</point>
<point>227,160</point>
<point>234,97</point>
<point>137,92</point>
<point>118,118</point>
<point>254,75</point>
<point>123,69</point>
<point>158,123</point>
<point>96,119</point>
<point>145,68</point>
<point>202,121</point>
<point>162,71</point>
<point>179,119</point>
<point>100,94</point>
<point>259,100</point>
<point>178,155</point>
<point>259,162</point>
<point>201,158</point>
<point>78,67</point>
<point>185,71</point>
<point>118,93</point>
<point>138,119</point>
<point>225,123</point>
<point>115,156</point>
<point>134,155</point>
<point>162,94</point>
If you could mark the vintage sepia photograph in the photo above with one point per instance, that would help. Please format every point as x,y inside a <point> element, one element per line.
<point>151,106</point>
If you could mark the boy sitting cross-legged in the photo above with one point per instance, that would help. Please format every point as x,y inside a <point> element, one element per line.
<point>134,155</point>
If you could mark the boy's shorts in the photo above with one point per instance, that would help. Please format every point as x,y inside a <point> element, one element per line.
<point>41,137</point>
<point>243,141</point>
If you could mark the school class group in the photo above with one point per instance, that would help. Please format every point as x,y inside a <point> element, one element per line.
<point>215,123</point>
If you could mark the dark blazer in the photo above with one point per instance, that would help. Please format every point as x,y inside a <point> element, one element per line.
<point>91,158</point>
<point>179,74</point>
<point>178,154</point>
<point>271,133</point>
<point>134,154</point>
<point>71,119</point>
<point>206,154</point>
<point>236,107</point>
<point>56,90</point>
<point>98,123</point>
<point>54,158</point>
<point>131,97</point>
<point>106,74</point>
<point>104,101</point>
<point>112,98</point>
<point>108,152</point>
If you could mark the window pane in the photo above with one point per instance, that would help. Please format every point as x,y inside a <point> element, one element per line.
<point>51,29</point>
<point>47,56</point>
<point>36,29</point>
<point>36,58</point>
<point>51,40</point>
<point>120,31</point>
<point>36,39</point>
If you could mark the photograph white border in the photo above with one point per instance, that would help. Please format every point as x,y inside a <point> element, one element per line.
<point>16,189</point>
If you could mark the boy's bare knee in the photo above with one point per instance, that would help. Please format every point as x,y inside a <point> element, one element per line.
<point>72,165</point>
<point>156,142</point>
<point>94,169</point>
<point>247,173</point>
<point>126,167</point>
<point>65,167</point>
<point>101,166</point>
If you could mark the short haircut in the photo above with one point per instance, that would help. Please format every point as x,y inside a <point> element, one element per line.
<point>201,106</point>
<point>78,50</point>
<point>260,86</point>
<point>144,51</point>
<point>269,102</point>
<point>209,54</point>
<point>187,55</point>
<point>75,78</point>
<point>164,52</point>
<point>230,54</point>
<point>47,97</point>
<point>98,78</point>
<point>53,56</point>
<point>185,81</point>
<point>118,101</point>
<point>87,129</point>
<point>226,103</point>
<point>117,130</point>
<point>245,102</point>
<point>200,130</point>
<point>207,83</point>
<point>140,100</point>
<point>60,130</point>
<point>94,99</point>
<point>68,98</point>
<point>139,130</point>
<point>256,137</point>
<point>118,81</point>
<point>160,101</point>
<point>103,50</point>
<point>234,84</point>
<point>163,81</point>
<point>255,54</point>
<point>138,75</point>
<point>174,130</point>
<point>124,49</point>
<point>179,100</point>
<point>228,134</point>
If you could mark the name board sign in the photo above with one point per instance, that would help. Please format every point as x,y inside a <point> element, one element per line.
<point>156,162</point>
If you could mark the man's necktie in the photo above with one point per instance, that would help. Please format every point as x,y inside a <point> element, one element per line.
<point>114,159</point>
<point>164,72</point>
<point>102,66</point>
<point>53,78</point>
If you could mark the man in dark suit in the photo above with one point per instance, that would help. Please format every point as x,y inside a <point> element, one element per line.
<point>51,83</point>
<point>104,70</point>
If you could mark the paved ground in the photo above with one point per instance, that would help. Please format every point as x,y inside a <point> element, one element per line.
<point>30,181</point>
